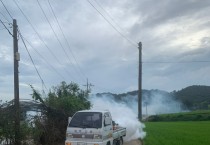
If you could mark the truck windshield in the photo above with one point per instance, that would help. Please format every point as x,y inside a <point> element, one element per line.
<point>87,120</point>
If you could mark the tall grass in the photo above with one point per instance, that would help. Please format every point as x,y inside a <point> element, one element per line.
<point>177,133</point>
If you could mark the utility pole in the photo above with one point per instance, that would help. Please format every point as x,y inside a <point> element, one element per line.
<point>16,84</point>
<point>140,83</point>
<point>146,110</point>
<point>88,85</point>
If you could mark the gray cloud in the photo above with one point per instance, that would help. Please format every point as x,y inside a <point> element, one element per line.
<point>171,31</point>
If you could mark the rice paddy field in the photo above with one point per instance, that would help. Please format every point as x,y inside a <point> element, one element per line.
<point>177,133</point>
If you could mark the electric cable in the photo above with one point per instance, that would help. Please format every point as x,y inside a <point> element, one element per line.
<point>32,59</point>
<point>199,61</point>
<point>41,56</point>
<point>122,35</point>
<point>7,10</point>
<point>109,15</point>
<point>55,33</point>
<point>66,39</point>
<point>6,27</point>
<point>4,16</point>
<point>42,40</point>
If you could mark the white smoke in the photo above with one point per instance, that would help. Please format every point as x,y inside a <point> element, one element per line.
<point>155,103</point>
<point>161,104</point>
<point>121,114</point>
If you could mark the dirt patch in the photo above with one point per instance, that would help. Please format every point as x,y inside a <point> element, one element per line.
<point>133,142</point>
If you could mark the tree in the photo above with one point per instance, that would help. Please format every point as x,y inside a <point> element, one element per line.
<point>61,102</point>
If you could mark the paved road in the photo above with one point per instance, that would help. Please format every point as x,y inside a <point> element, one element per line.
<point>133,142</point>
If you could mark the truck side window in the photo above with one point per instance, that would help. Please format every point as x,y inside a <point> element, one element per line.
<point>107,119</point>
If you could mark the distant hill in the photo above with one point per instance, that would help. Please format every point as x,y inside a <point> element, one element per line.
<point>192,98</point>
<point>147,95</point>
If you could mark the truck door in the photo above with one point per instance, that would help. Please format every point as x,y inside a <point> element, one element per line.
<point>108,128</point>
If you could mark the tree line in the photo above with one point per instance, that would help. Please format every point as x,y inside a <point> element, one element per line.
<point>48,125</point>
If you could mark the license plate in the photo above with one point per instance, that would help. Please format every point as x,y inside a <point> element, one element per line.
<point>81,143</point>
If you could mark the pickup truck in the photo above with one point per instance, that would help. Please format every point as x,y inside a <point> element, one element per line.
<point>93,127</point>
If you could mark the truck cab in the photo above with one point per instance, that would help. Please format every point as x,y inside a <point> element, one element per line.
<point>92,127</point>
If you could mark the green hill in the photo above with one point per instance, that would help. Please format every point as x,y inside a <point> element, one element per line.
<point>194,97</point>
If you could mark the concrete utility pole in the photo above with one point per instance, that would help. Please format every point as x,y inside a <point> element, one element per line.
<point>16,83</point>
<point>140,83</point>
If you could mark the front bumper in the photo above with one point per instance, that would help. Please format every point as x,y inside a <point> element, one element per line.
<point>83,143</point>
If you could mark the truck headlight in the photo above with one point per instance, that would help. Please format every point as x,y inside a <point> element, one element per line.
<point>97,136</point>
<point>68,143</point>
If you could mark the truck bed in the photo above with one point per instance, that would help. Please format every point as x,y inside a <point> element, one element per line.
<point>119,132</point>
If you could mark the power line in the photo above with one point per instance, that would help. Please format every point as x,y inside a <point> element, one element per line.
<point>54,33</point>
<point>4,16</point>
<point>44,58</point>
<point>39,36</point>
<point>109,15</point>
<point>32,60</point>
<point>65,39</point>
<point>199,61</point>
<point>6,27</point>
<point>122,35</point>
<point>7,10</point>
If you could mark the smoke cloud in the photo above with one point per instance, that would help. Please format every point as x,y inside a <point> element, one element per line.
<point>161,104</point>
<point>154,102</point>
<point>122,114</point>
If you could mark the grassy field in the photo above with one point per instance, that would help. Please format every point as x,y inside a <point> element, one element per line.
<point>200,115</point>
<point>178,133</point>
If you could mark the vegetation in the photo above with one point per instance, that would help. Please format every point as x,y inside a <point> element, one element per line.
<point>49,126</point>
<point>177,133</point>
<point>7,128</point>
<point>192,98</point>
<point>202,115</point>
<point>62,101</point>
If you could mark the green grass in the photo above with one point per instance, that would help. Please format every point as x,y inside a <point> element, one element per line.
<point>200,115</point>
<point>177,133</point>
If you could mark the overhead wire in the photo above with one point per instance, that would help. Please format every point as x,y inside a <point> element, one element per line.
<point>6,27</point>
<point>32,60</point>
<point>109,15</point>
<point>41,56</point>
<point>66,39</point>
<point>19,34</point>
<point>4,16</point>
<point>121,34</point>
<point>55,34</point>
<point>42,40</point>
<point>199,61</point>
<point>6,9</point>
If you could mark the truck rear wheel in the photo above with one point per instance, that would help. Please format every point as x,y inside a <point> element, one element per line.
<point>120,141</point>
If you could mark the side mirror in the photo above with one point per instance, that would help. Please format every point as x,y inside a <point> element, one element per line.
<point>107,121</point>
<point>69,119</point>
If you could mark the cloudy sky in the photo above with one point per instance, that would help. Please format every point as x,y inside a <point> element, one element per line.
<point>100,42</point>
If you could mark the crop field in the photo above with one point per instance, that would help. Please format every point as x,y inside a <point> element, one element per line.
<point>177,133</point>
<point>200,115</point>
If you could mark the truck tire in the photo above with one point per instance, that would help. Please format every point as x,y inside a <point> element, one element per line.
<point>120,141</point>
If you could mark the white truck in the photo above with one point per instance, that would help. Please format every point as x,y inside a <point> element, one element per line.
<point>93,127</point>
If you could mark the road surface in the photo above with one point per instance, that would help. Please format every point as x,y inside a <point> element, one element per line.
<point>133,142</point>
